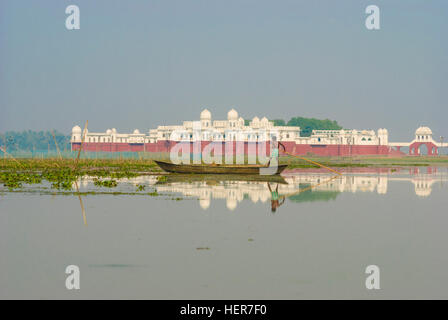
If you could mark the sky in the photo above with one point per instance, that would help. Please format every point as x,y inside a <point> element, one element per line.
<point>140,64</point>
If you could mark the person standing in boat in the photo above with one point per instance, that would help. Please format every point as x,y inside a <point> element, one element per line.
<point>275,203</point>
<point>274,151</point>
<point>273,159</point>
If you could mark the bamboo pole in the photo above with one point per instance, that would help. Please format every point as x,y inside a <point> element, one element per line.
<point>56,143</point>
<point>310,187</point>
<point>82,142</point>
<point>84,217</point>
<point>75,167</point>
<point>311,161</point>
<point>10,155</point>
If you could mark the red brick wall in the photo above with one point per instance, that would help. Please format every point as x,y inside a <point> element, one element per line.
<point>292,147</point>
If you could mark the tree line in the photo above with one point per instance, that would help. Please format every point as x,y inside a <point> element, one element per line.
<point>307,125</point>
<point>29,140</point>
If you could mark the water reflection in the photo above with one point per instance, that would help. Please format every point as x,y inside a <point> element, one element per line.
<point>321,237</point>
<point>275,202</point>
<point>297,186</point>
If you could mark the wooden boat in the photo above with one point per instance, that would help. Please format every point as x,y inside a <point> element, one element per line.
<point>215,168</point>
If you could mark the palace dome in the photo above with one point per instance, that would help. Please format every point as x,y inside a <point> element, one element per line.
<point>423,131</point>
<point>255,119</point>
<point>204,203</point>
<point>136,131</point>
<point>232,115</point>
<point>76,130</point>
<point>114,130</point>
<point>264,120</point>
<point>108,131</point>
<point>206,115</point>
<point>231,204</point>
<point>423,191</point>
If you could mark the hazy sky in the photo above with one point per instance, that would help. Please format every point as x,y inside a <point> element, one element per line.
<point>138,64</point>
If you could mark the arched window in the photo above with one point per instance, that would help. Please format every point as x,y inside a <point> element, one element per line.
<point>423,149</point>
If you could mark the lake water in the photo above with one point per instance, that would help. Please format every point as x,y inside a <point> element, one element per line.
<point>220,239</point>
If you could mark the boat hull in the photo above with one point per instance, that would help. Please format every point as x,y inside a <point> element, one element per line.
<point>214,169</point>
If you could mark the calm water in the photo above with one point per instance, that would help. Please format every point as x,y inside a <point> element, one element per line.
<point>220,239</point>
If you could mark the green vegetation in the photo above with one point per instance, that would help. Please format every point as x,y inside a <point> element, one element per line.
<point>118,168</point>
<point>279,122</point>
<point>34,140</point>
<point>162,179</point>
<point>313,195</point>
<point>13,180</point>
<point>307,125</point>
<point>105,183</point>
<point>63,173</point>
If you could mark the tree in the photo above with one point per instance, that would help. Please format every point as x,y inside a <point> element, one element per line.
<point>33,140</point>
<point>307,125</point>
<point>279,122</point>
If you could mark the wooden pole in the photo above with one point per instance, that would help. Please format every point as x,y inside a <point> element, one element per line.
<point>75,167</point>
<point>84,217</point>
<point>310,187</point>
<point>313,162</point>
<point>82,142</point>
<point>56,143</point>
<point>6,153</point>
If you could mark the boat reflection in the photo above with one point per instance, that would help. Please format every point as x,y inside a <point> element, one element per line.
<point>296,186</point>
<point>299,187</point>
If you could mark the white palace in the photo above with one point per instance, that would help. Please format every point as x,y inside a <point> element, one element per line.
<point>321,142</point>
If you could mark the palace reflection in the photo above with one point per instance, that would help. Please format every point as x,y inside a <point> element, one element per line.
<point>297,186</point>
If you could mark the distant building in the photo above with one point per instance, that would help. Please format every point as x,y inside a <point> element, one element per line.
<point>321,142</point>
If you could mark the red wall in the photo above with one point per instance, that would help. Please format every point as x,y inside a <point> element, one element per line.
<point>431,147</point>
<point>292,147</point>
